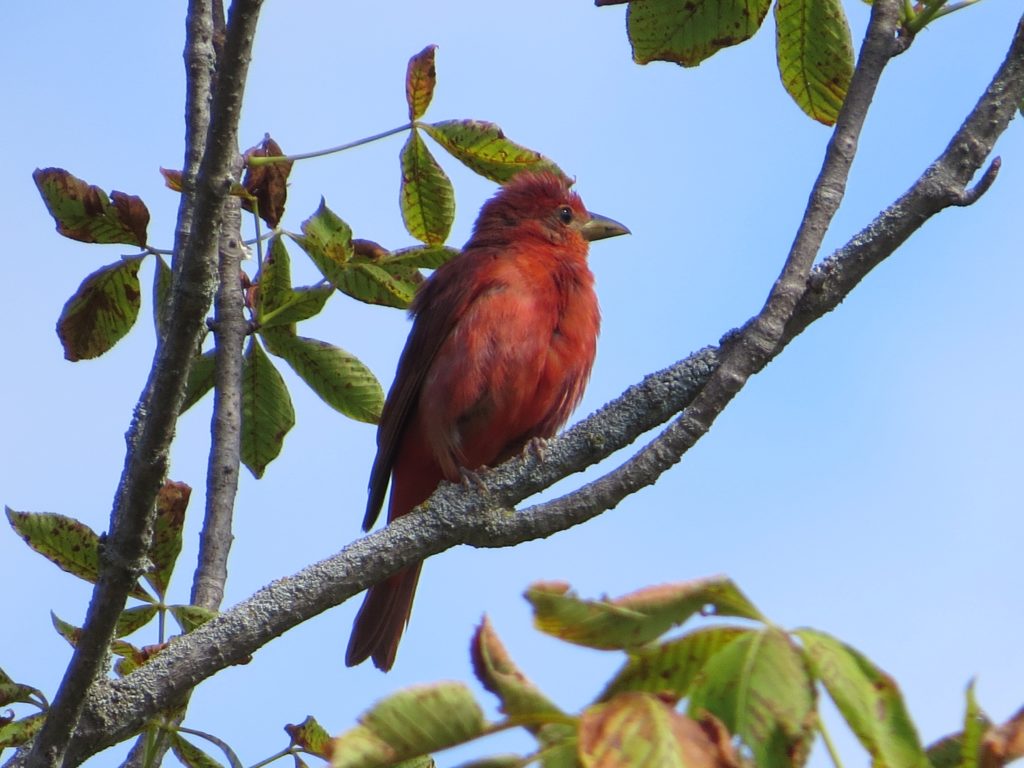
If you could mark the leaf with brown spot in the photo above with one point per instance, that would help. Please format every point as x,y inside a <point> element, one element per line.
<point>190,755</point>
<point>686,33</point>
<point>19,693</point>
<point>267,412</point>
<point>420,79</point>
<point>339,378</point>
<point>69,544</point>
<point>267,183</point>
<point>311,737</point>
<point>814,50</point>
<point>638,729</point>
<point>669,669</point>
<point>867,698</point>
<point>519,697</point>
<point>84,212</point>
<point>423,256</point>
<point>133,619</point>
<point>18,732</point>
<point>171,502</point>
<point>759,686</point>
<point>635,619</point>
<point>102,311</point>
<point>483,148</point>
<point>412,722</point>
<point>277,303</point>
<point>427,198</point>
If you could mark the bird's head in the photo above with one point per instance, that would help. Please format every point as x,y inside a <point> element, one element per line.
<point>542,204</point>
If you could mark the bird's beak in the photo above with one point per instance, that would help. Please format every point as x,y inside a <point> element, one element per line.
<point>599,227</point>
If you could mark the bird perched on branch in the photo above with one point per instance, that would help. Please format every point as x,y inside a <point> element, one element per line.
<point>501,347</point>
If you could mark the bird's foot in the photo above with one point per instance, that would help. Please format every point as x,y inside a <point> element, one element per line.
<point>536,447</point>
<point>472,480</point>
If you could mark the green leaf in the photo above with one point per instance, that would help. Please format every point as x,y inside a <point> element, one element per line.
<point>200,378</point>
<point>519,697</point>
<point>278,304</point>
<point>13,693</point>
<point>68,631</point>
<point>483,148</point>
<point>412,722</point>
<point>388,285</point>
<point>427,197</point>
<point>171,503</point>
<point>634,619</point>
<point>867,698</point>
<point>420,79</point>
<point>267,413</point>
<point>327,240</point>
<point>423,256</point>
<point>191,755</point>
<point>759,687</point>
<point>686,33</point>
<point>814,49</point>
<point>19,732</point>
<point>338,377</point>
<point>134,618</point>
<point>671,667</point>
<point>102,311</point>
<point>84,212</point>
<point>72,546</point>
<point>639,729</point>
<point>162,283</point>
<point>311,737</point>
<point>190,617</point>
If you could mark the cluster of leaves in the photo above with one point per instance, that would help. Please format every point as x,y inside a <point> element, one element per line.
<point>720,696</point>
<point>813,44</point>
<point>106,304</point>
<point>75,548</point>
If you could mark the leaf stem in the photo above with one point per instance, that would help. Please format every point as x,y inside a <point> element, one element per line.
<point>257,161</point>
<point>829,745</point>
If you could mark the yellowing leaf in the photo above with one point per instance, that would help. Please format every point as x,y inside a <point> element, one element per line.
<point>814,49</point>
<point>867,698</point>
<point>420,79</point>
<point>760,688</point>
<point>483,148</point>
<point>634,619</point>
<point>427,197</point>
<point>84,212</point>
<point>638,729</point>
<point>102,311</point>
<point>686,33</point>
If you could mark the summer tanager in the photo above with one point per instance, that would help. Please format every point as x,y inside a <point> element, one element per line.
<point>501,347</point>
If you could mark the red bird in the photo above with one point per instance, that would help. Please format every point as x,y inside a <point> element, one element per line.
<point>501,347</point>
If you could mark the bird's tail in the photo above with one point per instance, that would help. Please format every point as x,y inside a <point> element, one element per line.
<point>382,618</point>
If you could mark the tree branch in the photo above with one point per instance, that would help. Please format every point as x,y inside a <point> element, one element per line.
<point>457,515</point>
<point>124,551</point>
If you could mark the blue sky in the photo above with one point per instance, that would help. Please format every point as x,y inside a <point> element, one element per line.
<point>868,483</point>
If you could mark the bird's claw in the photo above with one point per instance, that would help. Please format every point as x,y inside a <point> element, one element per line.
<point>536,447</point>
<point>472,480</point>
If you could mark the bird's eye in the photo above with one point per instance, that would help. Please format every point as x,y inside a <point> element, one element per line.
<point>565,214</point>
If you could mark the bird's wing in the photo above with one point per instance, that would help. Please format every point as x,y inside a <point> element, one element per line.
<point>438,305</point>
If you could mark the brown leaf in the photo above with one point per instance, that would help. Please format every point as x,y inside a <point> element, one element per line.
<point>1005,743</point>
<point>420,79</point>
<point>173,179</point>
<point>267,183</point>
<point>641,729</point>
<point>83,211</point>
